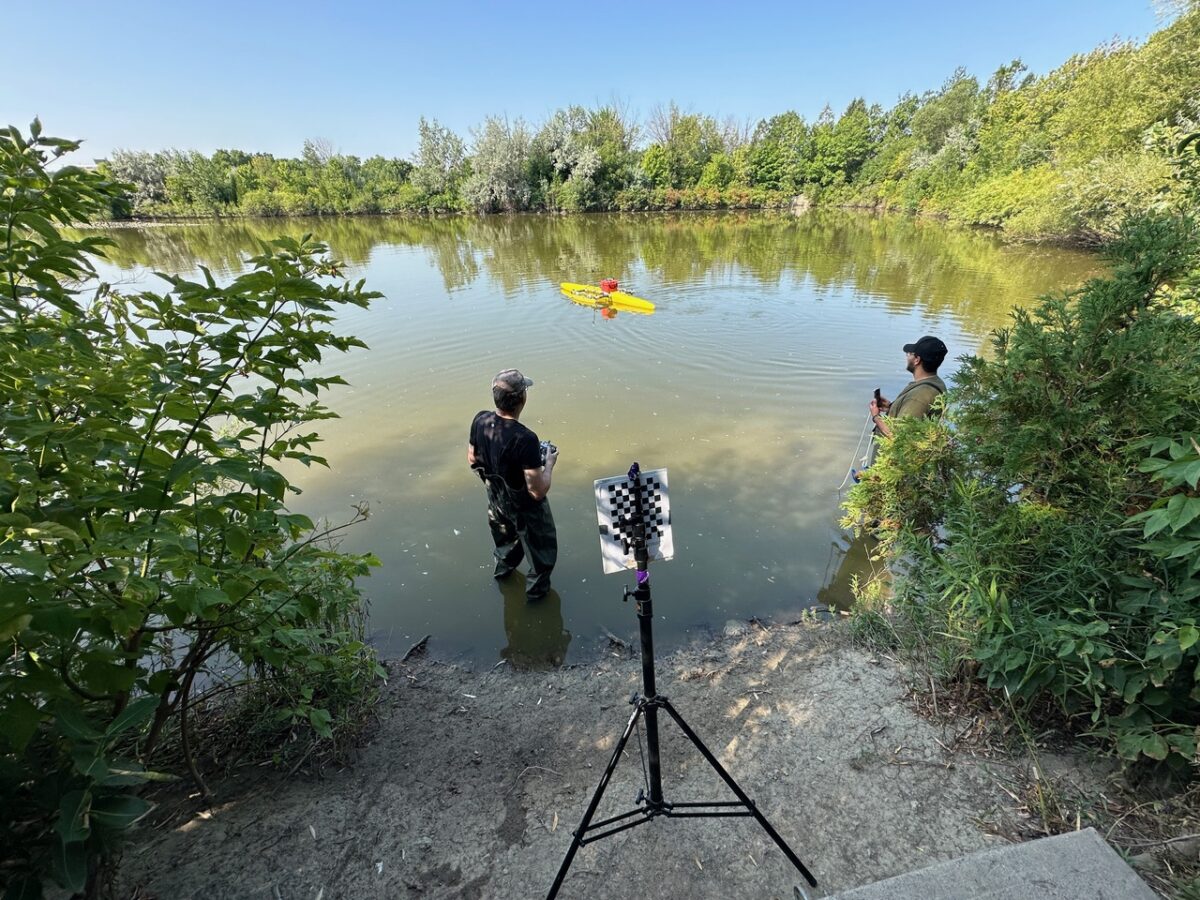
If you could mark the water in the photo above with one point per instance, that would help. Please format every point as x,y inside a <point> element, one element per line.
<point>749,383</point>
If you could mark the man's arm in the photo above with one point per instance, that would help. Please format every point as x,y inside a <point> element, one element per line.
<point>537,481</point>
<point>470,454</point>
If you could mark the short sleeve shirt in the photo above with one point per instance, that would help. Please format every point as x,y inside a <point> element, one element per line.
<point>505,447</point>
<point>916,402</point>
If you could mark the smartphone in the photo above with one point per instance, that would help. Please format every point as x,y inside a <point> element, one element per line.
<point>878,396</point>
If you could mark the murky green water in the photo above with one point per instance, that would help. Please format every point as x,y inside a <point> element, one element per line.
<point>749,384</point>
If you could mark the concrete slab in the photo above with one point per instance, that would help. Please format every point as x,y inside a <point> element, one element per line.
<point>1064,867</point>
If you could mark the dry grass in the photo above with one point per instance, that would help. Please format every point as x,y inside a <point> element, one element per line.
<point>1148,814</point>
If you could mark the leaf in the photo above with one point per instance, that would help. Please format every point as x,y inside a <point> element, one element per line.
<point>89,761</point>
<point>12,627</point>
<point>118,812</point>
<point>270,482</point>
<point>58,619</point>
<point>1154,746</point>
<point>69,865</point>
<point>1134,685</point>
<point>21,719</point>
<point>73,816</point>
<point>109,676</point>
<point>1188,635</point>
<point>1182,509</point>
<point>74,725</point>
<point>320,720</point>
<point>238,541</point>
<point>135,714</point>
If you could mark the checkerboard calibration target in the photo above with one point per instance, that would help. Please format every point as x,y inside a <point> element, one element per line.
<point>614,509</point>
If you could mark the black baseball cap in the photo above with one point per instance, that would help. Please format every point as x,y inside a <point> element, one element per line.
<point>930,349</point>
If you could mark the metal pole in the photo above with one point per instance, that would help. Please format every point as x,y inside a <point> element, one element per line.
<point>645,615</point>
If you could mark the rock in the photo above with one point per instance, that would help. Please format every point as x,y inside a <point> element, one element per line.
<point>1147,863</point>
<point>734,628</point>
<point>1185,850</point>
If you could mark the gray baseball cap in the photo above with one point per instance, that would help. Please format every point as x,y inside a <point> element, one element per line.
<point>512,380</point>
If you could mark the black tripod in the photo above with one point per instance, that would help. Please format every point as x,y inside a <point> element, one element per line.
<point>648,706</point>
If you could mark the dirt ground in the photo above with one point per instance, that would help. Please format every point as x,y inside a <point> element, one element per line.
<point>473,783</point>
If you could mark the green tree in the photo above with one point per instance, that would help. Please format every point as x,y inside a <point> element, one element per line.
<point>780,154</point>
<point>440,165</point>
<point>499,178</point>
<point>688,141</point>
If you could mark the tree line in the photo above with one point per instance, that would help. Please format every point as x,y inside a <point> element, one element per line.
<point>1067,154</point>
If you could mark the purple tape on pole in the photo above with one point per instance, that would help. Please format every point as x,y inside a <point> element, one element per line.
<point>643,577</point>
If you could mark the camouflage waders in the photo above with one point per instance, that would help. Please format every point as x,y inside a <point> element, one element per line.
<point>520,525</point>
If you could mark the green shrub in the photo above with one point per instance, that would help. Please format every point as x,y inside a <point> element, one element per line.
<point>144,530</point>
<point>1047,525</point>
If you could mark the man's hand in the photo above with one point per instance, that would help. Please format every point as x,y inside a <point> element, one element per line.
<point>537,481</point>
<point>874,407</point>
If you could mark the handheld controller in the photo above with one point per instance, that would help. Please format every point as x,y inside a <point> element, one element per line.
<point>547,448</point>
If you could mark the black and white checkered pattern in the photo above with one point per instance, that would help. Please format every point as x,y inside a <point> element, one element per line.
<point>615,508</point>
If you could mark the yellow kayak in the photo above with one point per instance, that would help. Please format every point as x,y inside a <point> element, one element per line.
<point>590,295</point>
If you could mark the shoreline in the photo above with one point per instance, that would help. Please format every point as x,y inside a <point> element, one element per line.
<point>472,782</point>
<point>1071,241</point>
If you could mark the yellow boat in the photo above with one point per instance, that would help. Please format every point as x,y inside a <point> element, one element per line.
<point>590,295</point>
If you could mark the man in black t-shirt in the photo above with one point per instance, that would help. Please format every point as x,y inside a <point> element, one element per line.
<point>508,457</point>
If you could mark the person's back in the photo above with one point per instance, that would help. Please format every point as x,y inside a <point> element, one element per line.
<point>505,448</point>
<point>517,477</point>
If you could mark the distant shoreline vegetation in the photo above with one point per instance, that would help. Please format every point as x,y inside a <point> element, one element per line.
<point>1067,155</point>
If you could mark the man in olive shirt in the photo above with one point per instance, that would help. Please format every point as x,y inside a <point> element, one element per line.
<point>508,457</point>
<point>916,400</point>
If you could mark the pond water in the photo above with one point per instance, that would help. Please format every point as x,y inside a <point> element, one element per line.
<point>749,384</point>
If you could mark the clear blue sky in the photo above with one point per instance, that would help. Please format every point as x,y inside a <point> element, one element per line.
<point>266,75</point>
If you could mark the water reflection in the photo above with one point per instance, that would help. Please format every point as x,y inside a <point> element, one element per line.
<point>534,629</point>
<point>902,259</point>
<point>849,563</point>
<point>750,383</point>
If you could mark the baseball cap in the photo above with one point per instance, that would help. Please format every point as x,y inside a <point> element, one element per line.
<point>512,380</point>
<point>930,349</point>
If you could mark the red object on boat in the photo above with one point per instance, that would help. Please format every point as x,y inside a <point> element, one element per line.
<point>608,285</point>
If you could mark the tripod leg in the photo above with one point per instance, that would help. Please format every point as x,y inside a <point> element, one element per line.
<point>577,842</point>
<point>741,795</point>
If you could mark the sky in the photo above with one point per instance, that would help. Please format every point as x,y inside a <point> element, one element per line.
<point>265,76</point>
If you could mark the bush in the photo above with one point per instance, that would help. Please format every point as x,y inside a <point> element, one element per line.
<point>1047,525</point>
<point>144,531</point>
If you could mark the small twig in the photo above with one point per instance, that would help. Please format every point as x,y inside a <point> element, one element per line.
<point>613,638</point>
<point>1162,843</point>
<point>1125,816</point>
<point>912,761</point>
<point>540,769</point>
<point>530,768</point>
<point>958,737</point>
<point>1015,798</point>
<point>933,690</point>
<point>300,762</point>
